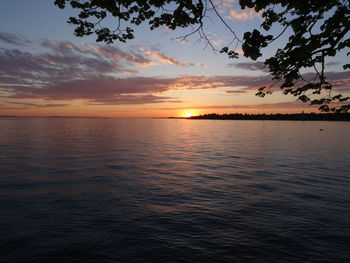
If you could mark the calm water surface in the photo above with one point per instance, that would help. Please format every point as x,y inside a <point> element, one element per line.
<point>158,190</point>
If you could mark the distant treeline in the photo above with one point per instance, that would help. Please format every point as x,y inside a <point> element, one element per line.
<point>295,117</point>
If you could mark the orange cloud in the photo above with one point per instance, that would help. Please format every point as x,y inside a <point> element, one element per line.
<point>166,59</point>
<point>90,75</point>
<point>161,57</point>
<point>223,5</point>
<point>244,15</point>
<point>217,43</point>
<point>232,7</point>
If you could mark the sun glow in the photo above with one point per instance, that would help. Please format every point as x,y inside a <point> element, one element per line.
<point>188,114</point>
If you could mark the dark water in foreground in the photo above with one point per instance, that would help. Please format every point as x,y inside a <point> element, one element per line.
<point>105,190</point>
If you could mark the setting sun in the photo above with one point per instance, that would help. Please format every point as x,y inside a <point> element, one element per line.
<point>188,114</point>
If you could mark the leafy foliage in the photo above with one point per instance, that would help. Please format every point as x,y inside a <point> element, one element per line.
<point>93,12</point>
<point>318,29</point>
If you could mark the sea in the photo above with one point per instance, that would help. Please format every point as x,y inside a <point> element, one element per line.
<point>174,190</point>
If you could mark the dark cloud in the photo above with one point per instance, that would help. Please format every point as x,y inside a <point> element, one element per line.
<point>111,51</point>
<point>38,105</point>
<point>100,89</point>
<point>250,66</point>
<point>133,99</point>
<point>338,76</point>
<point>66,71</point>
<point>333,63</point>
<point>12,39</point>
<point>60,46</point>
<point>132,90</point>
<point>21,67</point>
<point>101,52</point>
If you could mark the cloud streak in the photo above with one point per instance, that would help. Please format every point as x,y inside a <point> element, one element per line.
<point>108,90</point>
<point>65,71</point>
<point>12,39</point>
<point>280,105</point>
<point>250,66</point>
<point>106,75</point>
<point>244,15</point>
<point>233,11</point>
<point>29,105</point>
<point>163,58</point>
<point>100,90</point>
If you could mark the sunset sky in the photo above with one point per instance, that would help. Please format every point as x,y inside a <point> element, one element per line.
<point>45,70</point>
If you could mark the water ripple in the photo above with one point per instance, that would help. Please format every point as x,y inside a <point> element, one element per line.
<point>105,190</point>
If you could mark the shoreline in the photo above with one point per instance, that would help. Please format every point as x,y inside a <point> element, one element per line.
<point>278,117</point>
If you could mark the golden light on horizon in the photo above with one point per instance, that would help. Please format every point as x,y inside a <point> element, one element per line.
<point>188,114</point>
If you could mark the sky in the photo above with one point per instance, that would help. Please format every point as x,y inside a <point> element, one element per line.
<point>47,71</point>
